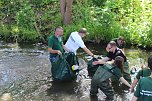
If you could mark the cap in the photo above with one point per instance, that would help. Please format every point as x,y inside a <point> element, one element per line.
<point>83,30</point>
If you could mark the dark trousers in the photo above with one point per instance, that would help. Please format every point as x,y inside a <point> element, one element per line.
<point>104,86</point>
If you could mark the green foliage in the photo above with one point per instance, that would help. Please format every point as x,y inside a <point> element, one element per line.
<point>25,17</point>
<point>34,20</point>
<point>25,33</point>
<point>98,2</point>
<point>129,18</point>
<point>145,39</point>
<point>5,32</point>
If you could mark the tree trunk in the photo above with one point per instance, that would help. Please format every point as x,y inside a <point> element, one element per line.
<point>66,11</point>
<point>62,8</point>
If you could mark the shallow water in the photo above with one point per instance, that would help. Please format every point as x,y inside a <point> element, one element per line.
<point>25,72</point>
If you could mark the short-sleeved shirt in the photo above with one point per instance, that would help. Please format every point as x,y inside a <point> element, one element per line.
<point>117,52</point>
<point>74,42</point>
<point>55,44</point>
<point>143,73</point>
<point>121,46</point>
<point>144,89</point>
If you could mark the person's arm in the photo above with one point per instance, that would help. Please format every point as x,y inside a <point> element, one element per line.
<point>139,74</point>
<point>110,62</point>
<point>98,62</point>
<point>54,51</point>
<point>125,82</point>
<point>123,49</point>
<point>133,84</point>
<point>102,62</point>
<point>66,49</point>
<point>105,59</point>
<point>123,46</point>
<point>137,93</point>
<point>88,51</point>
<point>134,98</point>
<point>107,49</point>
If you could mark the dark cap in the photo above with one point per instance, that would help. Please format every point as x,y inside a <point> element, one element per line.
<point>83,30</point>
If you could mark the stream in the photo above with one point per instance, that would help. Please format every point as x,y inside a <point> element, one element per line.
<point>25,73</point>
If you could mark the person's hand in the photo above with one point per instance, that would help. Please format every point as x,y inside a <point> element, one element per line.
<point>95,56</point>
<point>101,62</point>
<point>142,66</point>
<point>107,49</point>
<point>95,62</point>
<point>59,52</point>
<point>131,89</point>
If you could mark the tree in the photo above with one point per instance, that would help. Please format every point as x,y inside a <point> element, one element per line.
<point>66,11</point>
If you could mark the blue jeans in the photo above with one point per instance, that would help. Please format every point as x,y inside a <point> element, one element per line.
<point>53,58</point>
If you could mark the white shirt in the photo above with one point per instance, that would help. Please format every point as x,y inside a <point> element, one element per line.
<point>74,42</point>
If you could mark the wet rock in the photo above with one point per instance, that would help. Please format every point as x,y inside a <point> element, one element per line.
<point>6,97</point>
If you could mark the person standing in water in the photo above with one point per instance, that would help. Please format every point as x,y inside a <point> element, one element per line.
<point>144,88</point>
<point>75,41</point>
<point>101,78</point>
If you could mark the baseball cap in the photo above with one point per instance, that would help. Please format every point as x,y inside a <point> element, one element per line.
<point>83,30</point>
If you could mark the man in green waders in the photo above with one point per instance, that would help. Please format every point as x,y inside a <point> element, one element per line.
<point>101,78</point>
<point>55,44</point>
<point>114,51</point>
<point>56,48</point>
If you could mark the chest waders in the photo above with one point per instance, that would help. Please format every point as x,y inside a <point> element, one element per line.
<point>101,80</point>
<point>92,68</point>
<point>102,74</point>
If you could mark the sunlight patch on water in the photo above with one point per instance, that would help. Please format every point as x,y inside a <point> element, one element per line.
<point>7,76</point>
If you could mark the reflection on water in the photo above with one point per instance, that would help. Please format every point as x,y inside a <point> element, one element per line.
<point>6,75</point>
<point>63,91</point>
<point>25,73</point>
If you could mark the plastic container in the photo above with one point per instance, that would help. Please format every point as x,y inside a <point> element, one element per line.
<point>75,67</point>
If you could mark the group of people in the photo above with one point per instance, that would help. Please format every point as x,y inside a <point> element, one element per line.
<point>114,65</point>
<point>56,46</point>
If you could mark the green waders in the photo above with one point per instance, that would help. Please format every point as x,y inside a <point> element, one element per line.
<point>92,68</point>
<point>101,80</point>
<point>126,75</point>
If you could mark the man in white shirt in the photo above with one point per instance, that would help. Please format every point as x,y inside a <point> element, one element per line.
<point>75,41</point>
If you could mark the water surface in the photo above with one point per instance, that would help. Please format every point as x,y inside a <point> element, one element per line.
<point>25,72</point>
